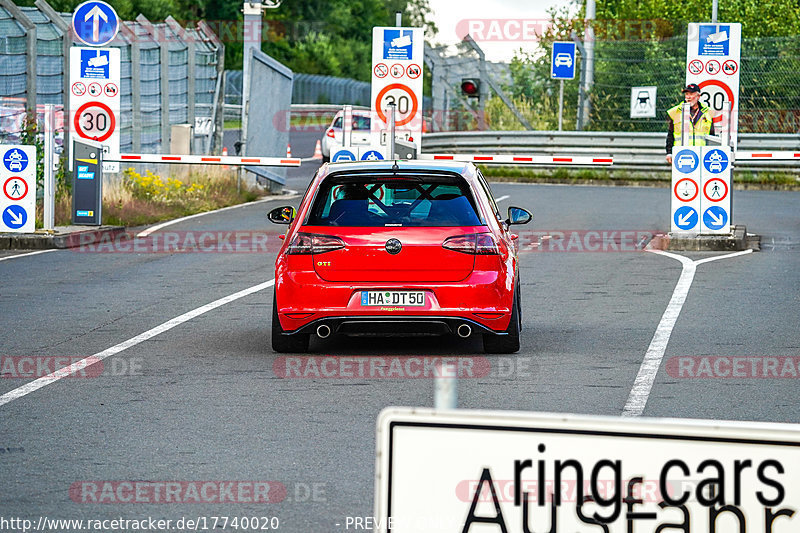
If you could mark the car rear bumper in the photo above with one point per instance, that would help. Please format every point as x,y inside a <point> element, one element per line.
<point>483,301</point>
<point>407,325</point>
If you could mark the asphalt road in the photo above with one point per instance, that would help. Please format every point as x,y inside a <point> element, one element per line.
<point>204,399</point>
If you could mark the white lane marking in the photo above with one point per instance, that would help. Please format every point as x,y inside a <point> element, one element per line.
<point>26,255</point>
<point>504,197</point>
<point>157,227</point>
<point>37,384</point>
<point>637,399</point>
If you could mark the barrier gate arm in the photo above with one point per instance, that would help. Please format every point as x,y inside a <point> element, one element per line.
<point>582,160</point>
<point>206,160</point>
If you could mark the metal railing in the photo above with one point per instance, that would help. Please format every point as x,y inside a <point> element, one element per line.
<point>630,150</point>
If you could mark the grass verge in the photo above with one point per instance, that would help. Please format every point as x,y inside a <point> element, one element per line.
<point>137,199</point>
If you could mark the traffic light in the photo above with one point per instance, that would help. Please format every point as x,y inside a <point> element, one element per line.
<point>471,87</point>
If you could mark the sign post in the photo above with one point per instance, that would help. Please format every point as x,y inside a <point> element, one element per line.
<point>514,472</point>
<point>713,55</point>
<point>18,178</point>
<point>562,67</point>
<point>397,58</point>
<point>95,79</point>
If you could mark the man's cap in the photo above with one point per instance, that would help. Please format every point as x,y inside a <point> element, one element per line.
<point>692,88</point>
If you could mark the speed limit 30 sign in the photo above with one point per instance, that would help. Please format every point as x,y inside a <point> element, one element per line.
<point>94,112</point>
<point>397,52</point>
<point>713,53</point>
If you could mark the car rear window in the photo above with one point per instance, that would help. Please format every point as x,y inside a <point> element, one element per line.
<point>376,201</point>
<point>359,123</point>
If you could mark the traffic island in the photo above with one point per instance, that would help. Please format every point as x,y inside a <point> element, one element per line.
<point>62,237</point>
<point>736,241</point>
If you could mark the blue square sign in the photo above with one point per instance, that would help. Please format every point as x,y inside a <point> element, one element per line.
<point>95,64</point>
<point>562,61</point>
<point>714,40</point>
<point>397,44</point>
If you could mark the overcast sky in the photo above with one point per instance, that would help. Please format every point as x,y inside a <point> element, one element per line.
<point>506,24</point>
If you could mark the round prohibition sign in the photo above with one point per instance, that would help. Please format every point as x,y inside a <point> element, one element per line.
<point>712,66</point>
<point>381,70</point>
<point>12,189</point>
<point>686,184</point>
<point>412,112</point>
<point>730,67</point>
<point>78,88</point>
<point>101,120</point>
<point>717,184</point>
<point>718,88</point>
<point>695,66</point>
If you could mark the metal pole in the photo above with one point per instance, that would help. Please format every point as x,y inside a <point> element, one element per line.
<point>725,134</point>
<point>714,6</point>
<point>347,125</point>
<point>588,43</point>
<point>49,178</point>
<point>398,18</point>
<point>684,124</point>
<point>561,105</point>
<point>391,128</point>
<point>446,387</point>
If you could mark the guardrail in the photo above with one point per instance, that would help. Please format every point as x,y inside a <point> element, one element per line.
<point>630,151</point>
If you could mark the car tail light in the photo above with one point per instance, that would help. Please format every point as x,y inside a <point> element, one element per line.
<point>475,244</point>
<point>308,243</point>
<point>329,133</point>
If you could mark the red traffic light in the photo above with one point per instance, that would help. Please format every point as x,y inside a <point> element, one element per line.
<point>470,87</point>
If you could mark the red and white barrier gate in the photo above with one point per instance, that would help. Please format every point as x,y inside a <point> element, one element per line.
<point>579,160</point>
<point>207,160</point>
<point>772,156</point>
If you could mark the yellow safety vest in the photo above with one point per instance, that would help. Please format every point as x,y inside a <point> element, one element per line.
<point>697,130</point>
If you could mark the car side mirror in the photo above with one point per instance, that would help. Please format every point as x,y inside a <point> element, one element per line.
<point>517,215</point>
<point>282,215</point>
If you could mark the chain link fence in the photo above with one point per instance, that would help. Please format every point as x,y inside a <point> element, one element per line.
<point>769,93</point>
<point>169,75</point>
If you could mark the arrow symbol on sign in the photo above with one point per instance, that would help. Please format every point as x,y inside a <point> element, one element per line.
<point>717,220</point>
<point>684,219</point>
<point>15,218</point>
<point>96,14</point>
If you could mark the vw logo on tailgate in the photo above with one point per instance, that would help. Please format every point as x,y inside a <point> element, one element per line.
<point>393,246</point>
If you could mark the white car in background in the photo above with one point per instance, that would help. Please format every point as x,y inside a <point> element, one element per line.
<point>359,137</point>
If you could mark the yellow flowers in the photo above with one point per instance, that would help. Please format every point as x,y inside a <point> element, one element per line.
<point>153,187</point>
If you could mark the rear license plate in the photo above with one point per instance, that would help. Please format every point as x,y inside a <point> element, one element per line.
<point>404,298</point>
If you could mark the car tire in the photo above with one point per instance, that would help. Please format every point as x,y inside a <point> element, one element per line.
<point>286,343</point>
<point>510,342</point>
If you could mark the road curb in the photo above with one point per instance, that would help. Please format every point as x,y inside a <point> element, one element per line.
<point>64,237</point>
<point>737,241</point>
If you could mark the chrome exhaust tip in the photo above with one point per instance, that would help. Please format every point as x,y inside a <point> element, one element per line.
<point>464,331</point>
<point>323,331</point>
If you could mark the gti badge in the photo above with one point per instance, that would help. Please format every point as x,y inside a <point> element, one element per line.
<point>393,246</point>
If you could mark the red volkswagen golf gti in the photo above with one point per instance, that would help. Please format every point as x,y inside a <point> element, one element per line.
<point>397,247</point>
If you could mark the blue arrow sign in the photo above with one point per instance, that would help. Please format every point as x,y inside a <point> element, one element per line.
<point>715,217</point>
<point>344,155</point>
<point>372,155</point>
<point>715,161</point>
<point>685,161</point>
<point>95,23</point>
<point>15,160</point>
<point>686,217</point>
<point>15,216</point>
<point>562,61</point>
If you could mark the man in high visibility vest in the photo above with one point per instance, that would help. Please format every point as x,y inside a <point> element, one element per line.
<point>701,123</point>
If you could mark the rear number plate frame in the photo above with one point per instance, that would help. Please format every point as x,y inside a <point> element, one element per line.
<point>394,298</point>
